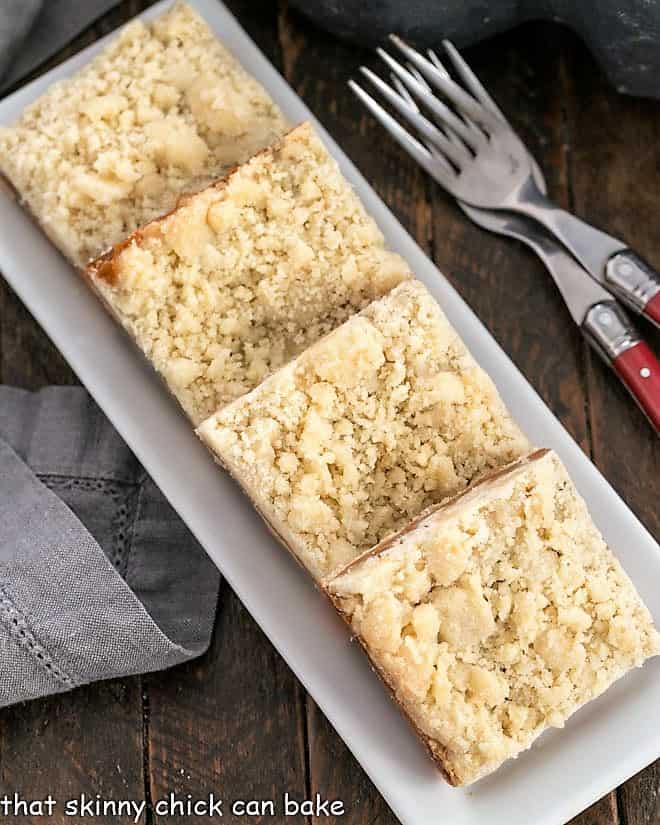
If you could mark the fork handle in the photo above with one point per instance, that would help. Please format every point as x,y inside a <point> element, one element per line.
<point>609,331</point>
<point>639,370</point>
<point>606,259</point>
<point>634,282</point>
<point>652,310</point>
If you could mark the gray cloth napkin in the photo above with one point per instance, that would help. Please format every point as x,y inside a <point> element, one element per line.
<point>31,31</point>
<point>98,575</point>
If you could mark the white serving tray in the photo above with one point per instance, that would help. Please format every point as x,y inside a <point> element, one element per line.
<point>604,744</point>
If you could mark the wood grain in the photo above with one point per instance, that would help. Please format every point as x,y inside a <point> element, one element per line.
<point>231,722</point>
<point>614,160</point>
<point>334,773</point>
<point>504,283</point>
<point>639,798</point>
<point>603,812</point>
<point>89,741</point>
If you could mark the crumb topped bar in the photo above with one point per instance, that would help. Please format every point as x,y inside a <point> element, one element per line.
<point>244,275</point>
<point>383,417</point>
<point>496,615</point>
<point>163,109</point>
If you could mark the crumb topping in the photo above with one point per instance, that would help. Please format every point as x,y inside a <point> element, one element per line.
<point>246,274</point>
<point>383,417</point>
<point>163,109</point>
<point>498,616</point>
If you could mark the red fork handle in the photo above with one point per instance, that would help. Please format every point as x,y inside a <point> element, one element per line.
<point>639,370</point>
<point>635,282</point>
<point>652,309</point>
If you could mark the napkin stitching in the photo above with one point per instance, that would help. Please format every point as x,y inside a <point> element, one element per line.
<point>125,518</point>
<point>130,556</point>
<point>121,492</point>
<point>24,638</point>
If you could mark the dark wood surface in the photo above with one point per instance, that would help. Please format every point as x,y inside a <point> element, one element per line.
<point>237,721</point>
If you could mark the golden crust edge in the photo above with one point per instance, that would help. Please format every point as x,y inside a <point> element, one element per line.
<point>94,269</point>
<point>481,480</point>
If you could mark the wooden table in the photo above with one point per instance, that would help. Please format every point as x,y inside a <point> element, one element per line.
<point>236,721</point>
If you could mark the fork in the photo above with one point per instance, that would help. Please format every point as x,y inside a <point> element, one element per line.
<point>601,320</point>
<point>488,166</point>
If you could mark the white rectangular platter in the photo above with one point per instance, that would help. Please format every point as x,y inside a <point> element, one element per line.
<point>604,744</point>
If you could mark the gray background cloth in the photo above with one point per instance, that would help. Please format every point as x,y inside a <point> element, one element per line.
<point>98,575</point>
<point>31,31</point>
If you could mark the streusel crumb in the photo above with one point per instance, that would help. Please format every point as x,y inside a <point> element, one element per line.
<point>164,109</point>
<point>496,616</point>
<point>244,275</point>
<point>383,417</point>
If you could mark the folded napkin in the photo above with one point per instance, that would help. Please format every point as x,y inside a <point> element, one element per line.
<point>98,575</point>
<point>31,31</point>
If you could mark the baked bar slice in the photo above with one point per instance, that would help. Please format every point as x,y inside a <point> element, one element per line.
<point>496,615</point>
<point>163,109</point>
<point>383,417</point>
<point>244,275</point>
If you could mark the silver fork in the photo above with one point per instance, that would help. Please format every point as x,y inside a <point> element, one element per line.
<point>598,315</point>
<point>490,167</point>
<point>600,318</point>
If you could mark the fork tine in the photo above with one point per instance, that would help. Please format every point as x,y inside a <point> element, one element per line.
<point>478,134</point>
<point>438,169</point>
<point>418,60</point>
<point>456,152</point>
<point>410,100</point>
<point>418,76</point>
<point>403,92</point>
<point>473,137</point>
<point>470,80</point>
<point>463,101</point>
<point>433,57</point>
<point>474,85</point>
